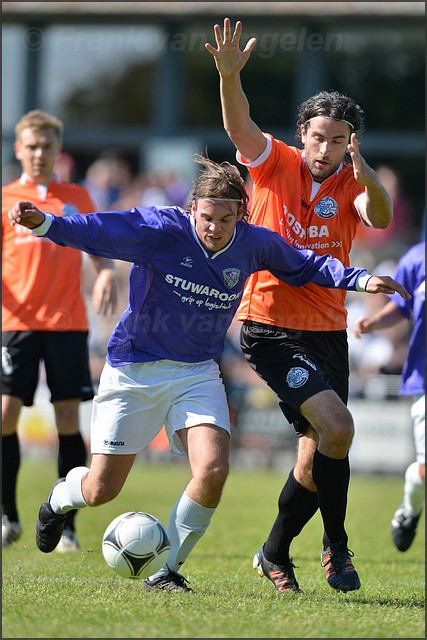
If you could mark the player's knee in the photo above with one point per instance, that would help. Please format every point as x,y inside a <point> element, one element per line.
<point>219,473</point>
<point>214,476</point>
<point>67,417</point>
<point>341,430</point>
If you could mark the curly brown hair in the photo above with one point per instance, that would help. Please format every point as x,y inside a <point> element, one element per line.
<point>219,181</point>
<point>330,104</point>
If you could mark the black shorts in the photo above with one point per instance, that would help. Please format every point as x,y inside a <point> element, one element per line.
<point>65,355</point>
<point>297,364</point>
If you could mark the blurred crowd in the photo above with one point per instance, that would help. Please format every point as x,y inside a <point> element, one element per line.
<point>376,361</point>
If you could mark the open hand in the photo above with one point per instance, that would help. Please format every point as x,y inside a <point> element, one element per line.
<point>386,284</point>
<point>229,59</point>
<point>362,171</point>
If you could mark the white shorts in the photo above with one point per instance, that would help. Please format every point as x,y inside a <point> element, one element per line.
<point>134,402</point>
<point>418,414</point>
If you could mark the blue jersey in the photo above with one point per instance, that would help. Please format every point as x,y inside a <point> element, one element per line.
<point>183,298</point>
<point>411,272</point>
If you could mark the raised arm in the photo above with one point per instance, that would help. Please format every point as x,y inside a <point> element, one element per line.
<point>230,60</point>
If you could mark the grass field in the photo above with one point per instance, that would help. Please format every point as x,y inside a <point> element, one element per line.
<point>78,596</point>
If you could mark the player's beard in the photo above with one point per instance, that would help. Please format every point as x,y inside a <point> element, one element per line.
<point>321,174</point>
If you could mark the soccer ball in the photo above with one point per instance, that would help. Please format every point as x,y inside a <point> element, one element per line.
<point>135,545</point>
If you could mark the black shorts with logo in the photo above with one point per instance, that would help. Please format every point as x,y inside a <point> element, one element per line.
<point>297,364</point>
<point>65,355</point>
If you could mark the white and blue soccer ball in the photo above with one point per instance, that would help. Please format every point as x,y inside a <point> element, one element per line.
<point>135,544</point>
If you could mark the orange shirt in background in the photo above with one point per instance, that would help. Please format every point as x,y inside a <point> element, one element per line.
<point>41,281</point>
<point>308,215</point>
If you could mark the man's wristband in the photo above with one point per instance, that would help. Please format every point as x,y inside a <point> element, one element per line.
<point>44,227</point>
<point>362,281</point>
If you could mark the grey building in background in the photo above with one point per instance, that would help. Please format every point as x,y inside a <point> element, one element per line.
<point>135,75</point>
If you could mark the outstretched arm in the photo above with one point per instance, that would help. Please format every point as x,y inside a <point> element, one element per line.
<point>298,267</point>
<point>230,60</point>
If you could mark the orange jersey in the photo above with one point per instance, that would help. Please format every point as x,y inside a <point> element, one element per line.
<point>308,215</point>
<point>41,281</point>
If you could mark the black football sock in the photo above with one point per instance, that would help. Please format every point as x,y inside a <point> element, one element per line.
<point>72,453</point>
<point>332,478</point>
<point>11,460</point>
<point>297,505</point>
<point>325,540</point>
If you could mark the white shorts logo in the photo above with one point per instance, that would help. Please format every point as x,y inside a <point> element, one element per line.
<point>297,376</point>
<point>306,360</point>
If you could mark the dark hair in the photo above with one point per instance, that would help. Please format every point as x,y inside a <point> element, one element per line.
<point>219,181</point>
<point>331,104</point>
